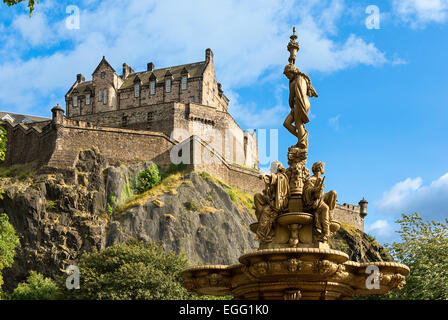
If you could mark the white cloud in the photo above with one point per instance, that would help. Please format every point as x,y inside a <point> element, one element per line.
<point>248,41</point>
<point>410,195</point>
<point>418,13</point>
<point>380,229</point>
<point>334,122</point>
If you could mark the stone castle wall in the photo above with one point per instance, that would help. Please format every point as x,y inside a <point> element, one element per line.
<point>350,214</point>
<point>57,145</point>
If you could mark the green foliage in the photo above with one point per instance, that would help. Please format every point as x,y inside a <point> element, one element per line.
<point>36,287</point>
<point>8,243</point>
<point>134,271</point>
<point>147,179</point>
<point>2,143</point>
<point>174,168</point>
<point>111,205</point>
<point>31,4</point>
<point>192,205</point>
<point>424,249</point>
<point>20,171</point>
<point>51,205</point>
<point>371,238</point>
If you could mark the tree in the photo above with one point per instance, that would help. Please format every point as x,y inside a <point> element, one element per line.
<point>36,287</point>
<point>8,243</point>
<point>31,4</point>
<point>8,238</point>
<point>2,143</point>
<point>424,249</point>
<point>134,271</point>
<point>148,178</point>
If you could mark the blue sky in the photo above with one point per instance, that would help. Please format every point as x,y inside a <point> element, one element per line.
<point>380,122</point>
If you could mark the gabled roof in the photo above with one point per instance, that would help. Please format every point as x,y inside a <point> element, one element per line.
<point>19,118</point>
<point>103,61</point>
<point>82,88</point>
<point>194,70</point>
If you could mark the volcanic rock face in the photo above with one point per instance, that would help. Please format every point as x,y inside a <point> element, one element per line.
<point>58,221</point>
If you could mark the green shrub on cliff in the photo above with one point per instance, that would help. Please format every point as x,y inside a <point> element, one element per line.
<point>2,143</point>
<point>148,178</point>
<point>8,243</point>
<point>36,287</point>
<point>134,271</point>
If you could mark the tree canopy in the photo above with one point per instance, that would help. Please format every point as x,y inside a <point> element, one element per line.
<point>31,3</point>
<point>134,271</point>
<point>424,249</point>
<point>8,243</point>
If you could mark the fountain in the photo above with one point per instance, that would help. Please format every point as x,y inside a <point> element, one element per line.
<point>294,260</point>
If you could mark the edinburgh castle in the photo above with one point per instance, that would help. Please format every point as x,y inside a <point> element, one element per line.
<point>174,114</point>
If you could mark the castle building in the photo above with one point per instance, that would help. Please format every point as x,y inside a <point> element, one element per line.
<point>146,116</point>
<point>184,99</point>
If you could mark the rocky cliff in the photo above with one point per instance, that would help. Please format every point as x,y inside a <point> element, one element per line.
<point>192,213</point>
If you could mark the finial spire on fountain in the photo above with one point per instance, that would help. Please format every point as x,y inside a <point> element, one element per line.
<point>293,47</point>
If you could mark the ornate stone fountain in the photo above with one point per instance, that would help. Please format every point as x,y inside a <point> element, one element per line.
<point>294,260</point>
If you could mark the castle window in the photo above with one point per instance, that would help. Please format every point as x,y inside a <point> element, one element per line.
<point>192,99</point>
<point>152,87</point>
<point>75,101</point>
<point>105,97</point>
<point>137,90</point>
<point>100,95</point>
<point>168,85</point>
<point>103,75</point>
<point>184,83</point>
<point>87,98</point>
<point>149,119</point>
<point>124,121</point>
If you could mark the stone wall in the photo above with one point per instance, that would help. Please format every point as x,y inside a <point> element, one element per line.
<point>29,144</point>
<point>180,120</point>
<point>349,213</point>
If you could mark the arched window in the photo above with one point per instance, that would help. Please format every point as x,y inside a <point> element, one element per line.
<point>137,90</point>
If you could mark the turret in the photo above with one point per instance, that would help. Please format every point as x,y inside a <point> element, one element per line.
<point>58,115</point>
<point>363,208</point>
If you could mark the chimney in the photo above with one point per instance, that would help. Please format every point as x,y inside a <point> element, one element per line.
<point>80,78</point>
<point>150,67</point>
<point>125,71</point>
<point>208,54</point>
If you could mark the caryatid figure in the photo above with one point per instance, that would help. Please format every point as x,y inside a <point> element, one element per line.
<point>318,203</point>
